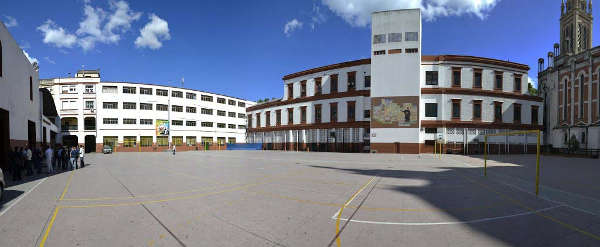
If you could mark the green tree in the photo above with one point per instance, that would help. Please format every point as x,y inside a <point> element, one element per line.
<point>532,90</point>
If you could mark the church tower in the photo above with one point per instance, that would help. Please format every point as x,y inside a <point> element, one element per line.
<point>575,26</point>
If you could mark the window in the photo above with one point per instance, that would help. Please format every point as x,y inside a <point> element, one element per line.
<point>412,36</point>
<point>476,109</point>
<point>241,115</point>
<point>178,140</point>
<point>395,51</point>
<point>190,95</point>
<point>516,113</point>
<point>71,89</point>
<point>241,127</point>
<point>129,141</point>
<point>129,105</point>
<point>145,106</point>
<point>395,37</point>
<point>498,81</point>
<point>129,90</point>
<point>89,104</point>
<point>146,91</point>
<point>177,94</point>
<point>90,89</point>
<point>290,91</point>
<point>231,126</point>
<point>352,81</point>
<point>190,123</point>
<point>290,112</point>
<point>231,140</point>
<point>109,89</point>
<point>497,111</point>
<point>581,96</point>
<point>477,78</point>
<point>206,98</point>
<point>109,105</point>
<point>333,116</point>
<point>177,122</point>
<point>207,124</point>
<point>231,102</point>
<point>431,110</point>
<point>207,140</point>
<point>190,109</point>
<point>145,141</point>
<point>303,89</point>
<point>268,118</point>
<point>221,140</point>
<point>221,113</point>
<point>583,137</point>
<point>231,114</point>
<point>277,117</point>
<point>221,125</point>
<point>162,141</point>
<point>334,84</point>
<point>380,52</point>
<point>190,141</point>
<point>534,115</point>
<point>367,81</point>
<point>367,114</point>
<point>379,39</point>
<point>206,111</point>
<point>162,92</point>
<point>177,108</point>
<point>241,104</point>
<point>221,100</point>
<point>110,121</point>
<point>431,130</point>
<point>129,121</point>
<point>160,107</point>
<point>351,111</point>
<point>318,86</point>
<point>318,113</point>
<point>518,83</point>
<point>250,120</point>
<point>145,121</point>
<point>456,109</point>
<point>565,108</point>
<point>456,80</point>
<point>412,50</point>
<point>303,114</point>
<point>431,77</point>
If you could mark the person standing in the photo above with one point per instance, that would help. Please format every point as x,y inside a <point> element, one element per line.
<point>48,155</point>
<point>16,168</point>
<point>73,158</point>
<point>65,158</point>
<point>37,160</point>
<point>174,150</point>
<point>28,164</point>
<point>81,154</point>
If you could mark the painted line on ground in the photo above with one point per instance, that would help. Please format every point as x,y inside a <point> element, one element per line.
<point>21,197</point>
<point>339,212</point>
<point>49,227</point>
<point>452,222</point>
<point>67,186</point>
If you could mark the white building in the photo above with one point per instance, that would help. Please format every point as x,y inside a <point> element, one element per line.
<point>400,101</point>
<point>135,116</point>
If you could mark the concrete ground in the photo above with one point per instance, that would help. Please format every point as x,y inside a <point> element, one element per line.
<point>268,198</point>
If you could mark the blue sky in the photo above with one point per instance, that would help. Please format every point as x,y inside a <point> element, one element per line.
<point>242,49</point>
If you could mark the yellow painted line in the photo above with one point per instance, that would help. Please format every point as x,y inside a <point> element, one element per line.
<point>67,186</point>
<point>49,227</point>
<point>337,223</point>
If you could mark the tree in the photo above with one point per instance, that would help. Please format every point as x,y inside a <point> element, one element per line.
<point>531,89</point>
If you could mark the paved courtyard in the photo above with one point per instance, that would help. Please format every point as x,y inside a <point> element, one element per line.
<point>263,198</point>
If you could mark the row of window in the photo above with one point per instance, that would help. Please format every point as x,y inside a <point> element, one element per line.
<point>396,51</point>
<point>431,110</point>
<point>579,97</point>
<point>431,78</point>
<point>162,92</point>
<point>161,107</point>
<point>132,121</point>
<point>333,114</point>
<point>395,37</point>
<point>147,141</point>
<point>333,86</point>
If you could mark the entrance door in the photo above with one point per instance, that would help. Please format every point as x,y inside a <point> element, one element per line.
<point>31,135</point>
<point>4,138</point>
<point>90,144</point>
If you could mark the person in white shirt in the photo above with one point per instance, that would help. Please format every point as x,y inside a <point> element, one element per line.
<point>81,153</point>
<point>28,164</point>
<point>48,155</point>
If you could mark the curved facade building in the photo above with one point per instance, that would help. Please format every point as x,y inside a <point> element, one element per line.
<point>143,117</point>
<point>400,101</point>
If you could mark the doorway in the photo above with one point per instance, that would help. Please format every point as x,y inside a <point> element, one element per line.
<point>4,138</point>
<point>70,141</point>
<point>90,144</point>
<point>31,135</point>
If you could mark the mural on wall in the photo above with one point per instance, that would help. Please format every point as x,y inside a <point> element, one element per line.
<point>162,127</point>
<point>395,112</point>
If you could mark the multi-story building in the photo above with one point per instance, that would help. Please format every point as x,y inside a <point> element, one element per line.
<point>569,83</point>
<point>143,117</point>
<point>399,101</point>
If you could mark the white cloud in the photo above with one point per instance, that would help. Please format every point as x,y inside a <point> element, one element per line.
<point>49,60</point>
<point>105,27</point>
<point>10,21</point>
<point>358,12</point>
<point>31,59</point>
<point>53,34</point>
<point>291,26</point>
<point>151,35</point>
<point>317,16</point>
<point>532,82</point>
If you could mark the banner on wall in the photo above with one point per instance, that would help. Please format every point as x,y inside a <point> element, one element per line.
<point>395,112</point>
<point>162,127</point>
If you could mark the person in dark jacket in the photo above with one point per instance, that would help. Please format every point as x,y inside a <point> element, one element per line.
<point>16,164</point>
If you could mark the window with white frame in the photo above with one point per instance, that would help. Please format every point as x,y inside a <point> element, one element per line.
<point>90,89</point>
<point>109,89</point>
<point>89,104</point>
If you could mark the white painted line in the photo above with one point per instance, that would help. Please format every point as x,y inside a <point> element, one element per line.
<point>21,197</point>
<point>352,199</point>
<point>451,222</point>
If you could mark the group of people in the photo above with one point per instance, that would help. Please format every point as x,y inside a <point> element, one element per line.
<point>25,159</point>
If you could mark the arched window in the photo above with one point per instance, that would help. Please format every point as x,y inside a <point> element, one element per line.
<point>581,96</point>
<point>565,100</point>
